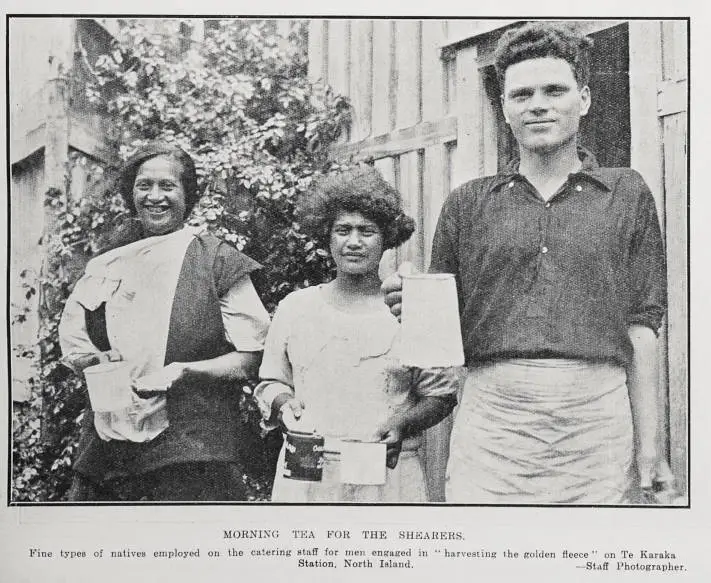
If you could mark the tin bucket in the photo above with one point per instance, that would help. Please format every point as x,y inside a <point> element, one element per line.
<point>109,385</point>
<point>303,456</point>
<point>431,331</point>
<point>362,462</point>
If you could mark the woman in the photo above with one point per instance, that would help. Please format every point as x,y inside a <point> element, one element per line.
<point>178,305</point>
<point>330,360</point>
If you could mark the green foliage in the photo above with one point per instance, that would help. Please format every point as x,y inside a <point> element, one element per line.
<point>241,104</point>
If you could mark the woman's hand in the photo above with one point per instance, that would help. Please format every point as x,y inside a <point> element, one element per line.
<point>79,363</point>
<point>391,435</point>
<point>160,381</point>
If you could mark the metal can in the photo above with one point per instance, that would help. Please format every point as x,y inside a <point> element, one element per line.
<point>303,456</point>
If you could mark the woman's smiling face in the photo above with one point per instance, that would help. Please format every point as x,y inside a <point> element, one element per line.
<point>158,195</point>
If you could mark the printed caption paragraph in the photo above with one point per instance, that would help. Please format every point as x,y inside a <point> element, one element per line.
<point>368,550</point>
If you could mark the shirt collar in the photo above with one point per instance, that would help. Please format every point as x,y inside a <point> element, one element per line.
<point>590,170</point>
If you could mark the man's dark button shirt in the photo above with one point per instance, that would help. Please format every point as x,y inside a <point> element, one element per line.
<point>558,279</point>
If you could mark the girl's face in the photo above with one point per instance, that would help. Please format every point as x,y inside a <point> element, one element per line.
<point>159,196</point>
<point>356,244</point>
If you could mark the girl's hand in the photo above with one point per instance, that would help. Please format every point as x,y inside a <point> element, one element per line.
<point>290,413</point>
<point>391,435</point>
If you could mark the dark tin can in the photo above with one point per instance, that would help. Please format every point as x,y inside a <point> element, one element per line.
<point>303,456</point>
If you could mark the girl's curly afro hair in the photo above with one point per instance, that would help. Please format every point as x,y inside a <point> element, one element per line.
<point>362,190</point>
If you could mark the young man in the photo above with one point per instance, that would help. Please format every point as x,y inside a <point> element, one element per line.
<point>562,288</point>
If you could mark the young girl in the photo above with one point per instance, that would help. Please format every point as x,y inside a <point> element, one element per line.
<point>330,360</point>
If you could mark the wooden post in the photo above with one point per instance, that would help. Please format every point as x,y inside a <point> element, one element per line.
<point>56,146</point>
<point>672,110</point>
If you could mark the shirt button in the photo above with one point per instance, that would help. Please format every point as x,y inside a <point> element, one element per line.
<point>511,184</point>
<point>544,249</point>
<point>578,188</point>
<point>548,205</point>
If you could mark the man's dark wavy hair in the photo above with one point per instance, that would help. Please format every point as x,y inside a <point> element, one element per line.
<point>362,190</point>
<point>188,174</point>
<point>544,39</point>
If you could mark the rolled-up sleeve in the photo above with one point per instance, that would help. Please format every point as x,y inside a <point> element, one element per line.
<point>647,271</point>
<point>244,317</point>
<point>437,382</point>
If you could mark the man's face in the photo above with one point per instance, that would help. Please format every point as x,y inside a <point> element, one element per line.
<point>543,103</point>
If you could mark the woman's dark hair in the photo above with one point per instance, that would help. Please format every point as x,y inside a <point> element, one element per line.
<point>362,190</point>
<point>188,174</point>
<point>544,39</point>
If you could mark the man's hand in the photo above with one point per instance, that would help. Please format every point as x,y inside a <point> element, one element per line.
<point>654,472</point>
<point>392,288</point>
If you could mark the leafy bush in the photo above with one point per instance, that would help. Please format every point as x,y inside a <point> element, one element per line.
<point>241,104</point>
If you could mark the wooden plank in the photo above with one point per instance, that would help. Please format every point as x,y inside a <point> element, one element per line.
<point>361,88</point>
<point>646,154</point>
<point>400,141</point>
<point>388,263</point>
<point>435,455</point>
<point>339,50</point>
<point>647,157</point>
<point>450,82</point>
<point>27,142</point>
<point>433,78</point>
<point>411,189</point>
<point>86,137</point>
<point>470,156</point>
<point>672,105</point>
<point>318,50</point>
<point>675,179</point>
<point>675,59</point>
<point>672,97</point>
<point>408,110</point>
<point>383,56</point>
<point>339,43</point>
<point>435,192</point>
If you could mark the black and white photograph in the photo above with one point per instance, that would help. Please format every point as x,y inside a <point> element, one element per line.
<point>415,272</point>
